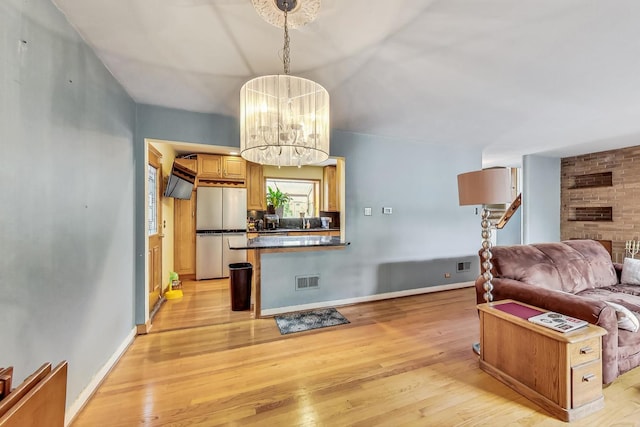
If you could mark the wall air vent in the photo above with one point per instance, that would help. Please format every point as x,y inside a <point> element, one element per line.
<point>307,282</point>
<point>463,266</point>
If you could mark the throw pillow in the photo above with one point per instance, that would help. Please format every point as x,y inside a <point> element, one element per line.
<point>630,272</point>
<point>627,320</point>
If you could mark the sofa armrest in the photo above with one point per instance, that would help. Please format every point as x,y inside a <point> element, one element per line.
<point>609,321</point>
<point>584,308</point>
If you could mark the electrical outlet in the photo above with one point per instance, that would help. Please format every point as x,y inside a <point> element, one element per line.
<point>367,211</point>
<point>447,275</point>
<point>387,211</point>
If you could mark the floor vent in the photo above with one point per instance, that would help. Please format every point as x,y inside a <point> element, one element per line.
<point>307,282</point>
<point>463,266</point>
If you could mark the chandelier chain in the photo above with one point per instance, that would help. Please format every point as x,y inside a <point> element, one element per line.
<point>284,119</point>
<point>286,60</point>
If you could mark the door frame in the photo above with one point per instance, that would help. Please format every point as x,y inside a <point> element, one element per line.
<point>141,307</point>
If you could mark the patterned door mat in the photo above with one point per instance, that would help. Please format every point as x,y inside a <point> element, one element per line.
<point>307,320</point>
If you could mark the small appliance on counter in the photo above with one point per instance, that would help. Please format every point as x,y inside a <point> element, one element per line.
<point>271,222</point>
<point>334,218</point>
<point>325,221</point>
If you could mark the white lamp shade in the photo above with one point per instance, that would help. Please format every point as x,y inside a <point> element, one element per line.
<point>284,121</point>
<point>485,187</point>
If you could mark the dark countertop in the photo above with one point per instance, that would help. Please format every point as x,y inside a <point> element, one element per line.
<point>286,230</point>
<point>275,242</point>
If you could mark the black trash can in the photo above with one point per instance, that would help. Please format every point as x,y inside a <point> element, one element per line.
<point>240,283</point>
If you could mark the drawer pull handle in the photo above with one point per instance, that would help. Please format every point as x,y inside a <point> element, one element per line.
<point>588,378</point>
<point>586,350</point>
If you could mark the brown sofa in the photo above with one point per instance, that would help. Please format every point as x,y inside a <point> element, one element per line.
<point>573,277</point>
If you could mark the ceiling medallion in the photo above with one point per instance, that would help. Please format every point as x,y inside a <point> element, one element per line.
<point>300,12</point>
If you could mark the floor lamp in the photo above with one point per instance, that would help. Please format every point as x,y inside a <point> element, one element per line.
<point>485,187</point>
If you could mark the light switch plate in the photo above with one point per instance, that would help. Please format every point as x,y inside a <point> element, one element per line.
<point>387,211</point>
<point>367,211</point>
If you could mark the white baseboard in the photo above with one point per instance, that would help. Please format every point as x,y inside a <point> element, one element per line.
<point>88,391</point>
<point>368,298</point>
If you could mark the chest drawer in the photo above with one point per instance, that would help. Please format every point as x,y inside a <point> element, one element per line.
<point>586,383</point>
<point>585,351</point>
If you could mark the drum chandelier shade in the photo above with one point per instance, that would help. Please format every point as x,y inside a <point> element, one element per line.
<point>284,120</point>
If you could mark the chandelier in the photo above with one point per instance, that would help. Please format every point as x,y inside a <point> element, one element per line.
<point>284,120</point>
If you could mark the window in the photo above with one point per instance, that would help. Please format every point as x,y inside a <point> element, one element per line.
<point>303,195</point>
<point>152,174</point>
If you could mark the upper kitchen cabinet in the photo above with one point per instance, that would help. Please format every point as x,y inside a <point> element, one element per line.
<point>256,197</point>
<point>209,166</point>
<point>214,167</point>
<point>189,164</point>
<point>234,168</point>
<point>331,199</point>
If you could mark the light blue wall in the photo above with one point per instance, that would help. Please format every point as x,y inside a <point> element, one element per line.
<point>511,234</point>
<point>171,125</point>
<point>540,199</point>
<point>419,182</point>
<point>66,217</point>
<point>184,126</point>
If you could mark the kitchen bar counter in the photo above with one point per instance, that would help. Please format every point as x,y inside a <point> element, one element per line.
<point>270,244</point>
<point>296,230</point>
<point>279,242</point>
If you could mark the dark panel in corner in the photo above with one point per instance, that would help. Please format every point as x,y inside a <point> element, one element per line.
<point>406,275</point>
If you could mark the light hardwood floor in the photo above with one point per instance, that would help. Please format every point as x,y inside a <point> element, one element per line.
<point>406,361</point>
<point>205,302</point>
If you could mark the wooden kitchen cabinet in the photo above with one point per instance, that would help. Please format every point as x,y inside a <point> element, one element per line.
<point>188,164</point>
<point>184,236</point>
<point>331,198</point>
<point>209,166</point>
<point>214,167</point>
<point>256,197</point>
<point>314,232</point>
<point>234,168</point>
<point>302,233</point>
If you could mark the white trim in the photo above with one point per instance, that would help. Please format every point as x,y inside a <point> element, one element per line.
<point>88,391</point>
<point>145,224</point>
<point>368,298</point>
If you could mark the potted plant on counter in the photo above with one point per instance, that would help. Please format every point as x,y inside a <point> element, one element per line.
<point>276,200</point>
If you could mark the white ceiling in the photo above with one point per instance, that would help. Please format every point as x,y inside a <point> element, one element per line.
<point>554,77</point>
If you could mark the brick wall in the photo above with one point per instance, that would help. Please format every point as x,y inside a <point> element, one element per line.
<point>600,197</point>
<point>591,213</point>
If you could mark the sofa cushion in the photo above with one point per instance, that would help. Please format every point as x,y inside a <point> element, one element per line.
<point>630,272</point>
<point>625,299</point>
<point>599,261</point>
<point>627,319</point>
<point>606,292</point>
<point>570,266</point>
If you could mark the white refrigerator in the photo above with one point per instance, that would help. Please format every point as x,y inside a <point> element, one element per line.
<point>220,213</point>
